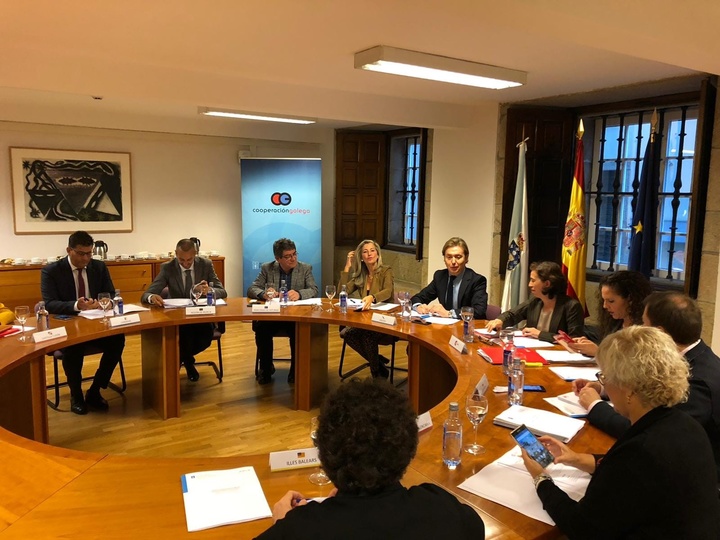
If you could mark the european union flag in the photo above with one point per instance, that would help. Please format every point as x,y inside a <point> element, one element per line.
<point>644,223</point>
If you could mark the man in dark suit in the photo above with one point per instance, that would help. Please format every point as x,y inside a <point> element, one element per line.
<point>454,287</point>
<point>301,284</point>
<point>69,286</point>
<point>679,316</point>
<point>175,280</point>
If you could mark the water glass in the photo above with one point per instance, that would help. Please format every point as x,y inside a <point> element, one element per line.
<point>476,407</point>
<point>403,298</point>
<point>106,303</point>
<point>467,313</point>
<point>318,478</point>
<point>21,314</point>
<point>330,291</point>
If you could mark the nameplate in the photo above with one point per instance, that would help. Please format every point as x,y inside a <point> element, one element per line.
<point>200,310</point>
<point>482,386</point>
<point>384,319</point>
<point>122,320</point>
<point>47,335</point>
<point>424,422</point>
<point>270,307</point>
<point>294,459</point>
<point>458,345</point>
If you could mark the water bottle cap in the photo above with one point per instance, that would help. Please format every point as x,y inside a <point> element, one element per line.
<point>454,406</point>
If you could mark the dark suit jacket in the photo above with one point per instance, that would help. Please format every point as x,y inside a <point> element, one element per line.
<point>473,291</point>
<point>567,316</point>
<point>171,276</point>
<point>57,284</point>
<point>656,482</point>
<point>703,401</point>
<point>302,280</point>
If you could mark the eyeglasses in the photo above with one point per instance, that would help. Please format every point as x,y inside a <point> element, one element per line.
<point>83,253</point>
<point>290,256</point>
<point>600,377</point>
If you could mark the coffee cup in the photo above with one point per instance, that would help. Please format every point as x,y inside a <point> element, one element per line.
<point>36,260</point>
<point>19,260</point>
<point>124,257</point>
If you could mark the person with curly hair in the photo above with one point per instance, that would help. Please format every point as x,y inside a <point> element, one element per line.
<point>366,275</point>
<point>622,295</point>
<point>366,438</point>
<point>550,309</point>
<point>658,479</point>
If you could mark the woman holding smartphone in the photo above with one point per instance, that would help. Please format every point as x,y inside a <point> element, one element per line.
<point>658,480</point>
<point>366,275</point>
<point>549,310</point>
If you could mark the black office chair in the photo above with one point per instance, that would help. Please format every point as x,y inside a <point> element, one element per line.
<point>492,312</point>
<point>57,357</point>
<point>218,331</point>
<point>391,341</point>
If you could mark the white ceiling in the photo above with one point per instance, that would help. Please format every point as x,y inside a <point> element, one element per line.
<point>162,60</point>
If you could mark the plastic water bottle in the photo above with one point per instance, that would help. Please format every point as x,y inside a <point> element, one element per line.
<point>118,308</point>
<point>43,317</point>
<point>508,351</point>
<point>516,379</point>
<point>452,438</point>
<point>343,299</point>
<point>283,294</point>
<point>210,295</point>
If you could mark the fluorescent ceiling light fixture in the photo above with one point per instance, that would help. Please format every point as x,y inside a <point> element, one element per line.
<point>437,68</point>
<point>254,116</point>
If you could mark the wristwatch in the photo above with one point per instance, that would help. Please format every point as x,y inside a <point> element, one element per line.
<point>541,478</point>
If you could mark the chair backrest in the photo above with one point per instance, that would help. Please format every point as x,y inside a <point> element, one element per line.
<point>493,312</point>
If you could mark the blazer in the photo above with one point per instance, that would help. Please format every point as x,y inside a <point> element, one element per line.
<point>567,316</point>
<point>382,288</point>
<point>57,285</point>
<point>473,291</point>
<point>171,276</point>
<point>703,401</point>
<point>302,280</point>
<point>656,482</point>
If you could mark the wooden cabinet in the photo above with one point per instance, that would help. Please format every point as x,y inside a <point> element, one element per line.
<point>20,285</point>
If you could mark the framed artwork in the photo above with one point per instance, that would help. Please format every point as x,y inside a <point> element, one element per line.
<point>62,191</point>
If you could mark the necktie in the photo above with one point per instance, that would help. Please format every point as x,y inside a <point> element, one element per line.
<point>188,283</point>
<point>448,304</point>
<point>81,284</point>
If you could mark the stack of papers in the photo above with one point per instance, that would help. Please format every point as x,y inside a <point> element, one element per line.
<point>572,373</point>
<point>215,498</point>
<point>568,403</point>
<point>566,357</point>
<point>540,422</point>
<point>507,482</point>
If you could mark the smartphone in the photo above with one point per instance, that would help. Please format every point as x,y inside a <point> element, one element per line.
<point>533,388</point>
<point>62,317</point>
<point>532,446</point>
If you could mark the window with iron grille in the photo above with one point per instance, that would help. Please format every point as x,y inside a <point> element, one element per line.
<point>405,179</point>
<point>618,149</point>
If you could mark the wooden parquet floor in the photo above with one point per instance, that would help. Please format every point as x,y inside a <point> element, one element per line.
<point>234,417</point>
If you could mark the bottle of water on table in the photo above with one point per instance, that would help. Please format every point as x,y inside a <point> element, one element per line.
<point>452,438</point>
<point>283,294</point>
<point>343,299</point>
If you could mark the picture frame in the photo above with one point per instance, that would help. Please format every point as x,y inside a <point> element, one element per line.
<point>62,191</point>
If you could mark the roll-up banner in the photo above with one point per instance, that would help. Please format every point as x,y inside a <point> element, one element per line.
<point>281,198</point>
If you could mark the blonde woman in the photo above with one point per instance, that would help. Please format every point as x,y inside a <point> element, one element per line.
<point>368,278</point>
<point>658,480</point>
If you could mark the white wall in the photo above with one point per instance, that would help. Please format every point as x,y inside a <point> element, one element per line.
<point>183,185</point>
<point>462,191</point>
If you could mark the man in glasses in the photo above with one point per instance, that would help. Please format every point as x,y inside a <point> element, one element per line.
<point>176,279</point>
<point>300,283</point>
<point>69,286</point>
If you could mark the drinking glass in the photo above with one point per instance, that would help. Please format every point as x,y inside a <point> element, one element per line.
<point>21,314</point>
<point>105,302</point>
<point>467,313</point>
<point>270,293</point>
<point>330,291</point>
<point>403,297</point>
<point>476,407</point>
<point>195,293</point>
<point>318,478</point>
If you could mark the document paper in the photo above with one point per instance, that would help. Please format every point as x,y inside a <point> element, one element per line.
<point>216,498</point>
<point>540,422</point>
<point>507,482</point>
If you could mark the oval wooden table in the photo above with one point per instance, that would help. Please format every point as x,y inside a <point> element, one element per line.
<point>51,492</point>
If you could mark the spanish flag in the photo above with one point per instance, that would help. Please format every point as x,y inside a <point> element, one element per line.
<point>575,240</point>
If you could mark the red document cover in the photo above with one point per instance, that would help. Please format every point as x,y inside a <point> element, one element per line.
<point>494,355</point>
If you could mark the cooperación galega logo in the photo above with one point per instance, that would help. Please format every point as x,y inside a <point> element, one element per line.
<point>280,199</point>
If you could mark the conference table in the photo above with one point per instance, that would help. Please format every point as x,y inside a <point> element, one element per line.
<point>53,492</point>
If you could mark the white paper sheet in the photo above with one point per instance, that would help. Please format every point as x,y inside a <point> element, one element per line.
<point>531,343</point>
<point>507,482</point>
<point>185,302</point>
<point>215,498</point>
<point>569,404</point>
<point>571,373</point>
<point>540,422</point>
<point>307,302</point>
<point>566,356</point>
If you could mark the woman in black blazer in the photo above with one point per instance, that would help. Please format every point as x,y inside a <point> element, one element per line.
<point>549,309</point>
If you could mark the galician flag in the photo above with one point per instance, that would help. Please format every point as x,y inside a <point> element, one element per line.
<point>518,268</point>
<point>575,241</point>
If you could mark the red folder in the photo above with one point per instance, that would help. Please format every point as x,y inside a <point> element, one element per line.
<point>9,332</point>
<point>494,355</point>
